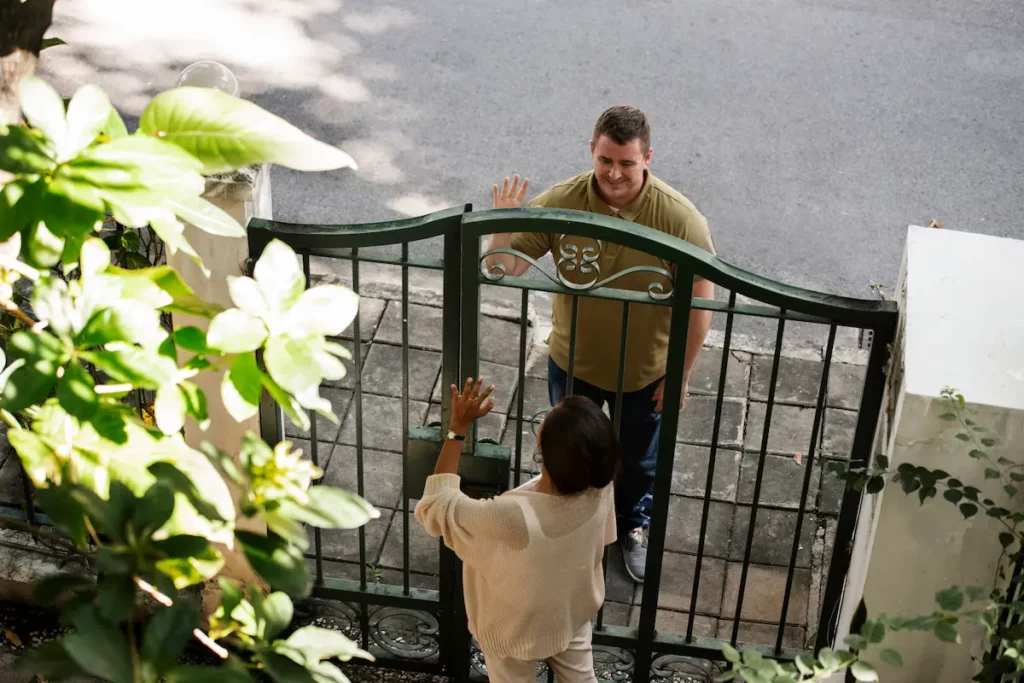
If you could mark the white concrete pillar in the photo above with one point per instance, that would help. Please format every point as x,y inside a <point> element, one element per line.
<point>962,326</point>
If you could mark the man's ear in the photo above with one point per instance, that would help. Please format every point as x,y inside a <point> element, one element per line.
<point>591,148</point>
<point>647,157</point>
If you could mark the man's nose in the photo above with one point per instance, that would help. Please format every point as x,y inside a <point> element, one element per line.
<point>614,173</point>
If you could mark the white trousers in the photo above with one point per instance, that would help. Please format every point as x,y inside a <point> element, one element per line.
<point>573,665</point>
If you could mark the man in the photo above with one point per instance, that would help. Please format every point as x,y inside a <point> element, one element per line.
<point>621,185</point>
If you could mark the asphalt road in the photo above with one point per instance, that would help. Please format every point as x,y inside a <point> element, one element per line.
<point>810,133</point>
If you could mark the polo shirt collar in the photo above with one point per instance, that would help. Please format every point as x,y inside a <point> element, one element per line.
<point>628,212</point>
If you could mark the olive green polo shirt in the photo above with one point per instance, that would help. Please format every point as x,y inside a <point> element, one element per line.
<point>583,261</point>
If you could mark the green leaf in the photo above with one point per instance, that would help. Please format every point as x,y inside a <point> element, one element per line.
<point>988,442</point>
<point>40,248</point>
<point>195,401</point>
<point>332,508</point>
<point>116,596</point>
<point>114,127</point>
<point>205,216</point>
<point>952,495</point>
<point>1011,491</point>
<point>141,368</point>
<point>19,203</point>
<point>232,672</point>
<point>169,409</point>
<point>181,546</point>
<point>32,382</point>
<point>805,664</point>
<point>949,417</point>
<point>278,562</point>
<point>314,644</point>
<point>77,392</point>
<point>57,585</point>
<point>155,508</point>
<point>891,657</point>
<point>51,42</point>
<point>947,632</point>
<point>191,338</point>
<point>950,599</point>
<point>88,113</point>
<point>731,654</point>
<point>23,153</point>
<point>190,570</point>
<point>856,642</point>
<point>98,647</point>
<point>44,108</point>
<point>874,631</point>
<point>975,593</point>
<point>291,407</point>
<point>285,670</point>
<point>968,510</point>
<point>963,436</point>
<point>991,473</point>
<point>1006,539</point>
<point>863,671</point>
<point>274,616</point>
<point>241,387</point>
<point>167,633</point>
<point>324,310</point>
<point>49,662</point>
<point>183,299</point>
<point>875,484</point>
<point>977,455</point>
<point>227,133</point>
<point>293,364</point>
<point>828,658</point>
<point>235,331</point>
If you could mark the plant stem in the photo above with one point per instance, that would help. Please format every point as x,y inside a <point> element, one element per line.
<point>164,600</point>
<point>16,311</point>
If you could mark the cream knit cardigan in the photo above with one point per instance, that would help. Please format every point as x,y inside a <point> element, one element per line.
<point>532,561</point>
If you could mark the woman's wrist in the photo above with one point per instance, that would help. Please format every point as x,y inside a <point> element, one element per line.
<point>459,428</point>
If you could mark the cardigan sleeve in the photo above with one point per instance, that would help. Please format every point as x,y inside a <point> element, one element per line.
<point>467,524</point>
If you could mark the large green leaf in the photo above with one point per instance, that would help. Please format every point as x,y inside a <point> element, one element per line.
<point>241,387</point>
<point>169,409</point>
<point>227,133</point>
<point>76,392</point>
<point>231,672</point>
<point>139,367</point>
<point>205,216</point>
<point>292,363</point>
<point>235,331</point>
<point>171,475</point>
<point>115,127</point>
<point>138,154</point>
<point>21,152</point>
<point>57,585</point>
<point>292,408</point>
<point>279,276</point>
<point>183,299</point>
<point>278,562</point>
<point>315,643</point>
<point>44,108</point>
<point>98,647</point>
<point>40,247</point>
<point>88,113</point>
<point>50,662</point>
<point>332,508</point>
<point>19,203</point>
<point>166,634</point>
<point>41,354</point>
<point>191,569</point>
<point>274,615</point>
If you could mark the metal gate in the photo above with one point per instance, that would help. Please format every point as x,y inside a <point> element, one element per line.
<point>424,629</point>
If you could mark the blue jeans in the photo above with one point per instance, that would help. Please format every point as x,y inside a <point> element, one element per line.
<point>638,434</point>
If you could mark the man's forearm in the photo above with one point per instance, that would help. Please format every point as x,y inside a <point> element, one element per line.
<point>700,323</point>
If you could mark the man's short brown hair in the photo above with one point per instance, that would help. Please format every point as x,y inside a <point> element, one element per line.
<point>623,123</point>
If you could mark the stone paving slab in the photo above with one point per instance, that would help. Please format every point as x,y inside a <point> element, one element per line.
<point>690,472</point>
<point>424,550</point>
<point>11,482</point>
<point>790,431</point>
<point>798,380</point>
<point>499,340</point>
<point>782,481</point>
<point>343,544</point>
<point>773,536</point>
<point>754,633</point>
<point>382,422</point>
<point>762,599</point>
<point>382,371</point>
<point>619,587</point>
<point>382,474</point>
<point>684,518</point>
<point>676,588</point>
<point>535,398</point>
<point>616,613</point>
<point>707,372</point>
<point>676,622</point>
<point>831,490</point>
<point>697,420</point>
<point>846,385</point>
<point>349,380</point>
<point>370,312</point>
<point>325,429</point>
<point>504,379</point>
<point>839,429</point>
<point>426,327</point>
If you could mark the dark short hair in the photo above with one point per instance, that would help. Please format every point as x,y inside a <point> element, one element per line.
<point>579,446</point>
<point>623,123</point>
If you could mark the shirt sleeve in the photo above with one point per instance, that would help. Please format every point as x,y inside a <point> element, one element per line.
<point>697,233</point>
<point>533,244</point>
<point>611,533</point>
<point>467,524</point>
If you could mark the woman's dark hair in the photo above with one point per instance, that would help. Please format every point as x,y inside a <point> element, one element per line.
<point>579,447</point>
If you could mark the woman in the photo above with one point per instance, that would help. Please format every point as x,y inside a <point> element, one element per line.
<point>533,578</point>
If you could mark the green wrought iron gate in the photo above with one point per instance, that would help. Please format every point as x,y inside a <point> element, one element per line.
<point>424,629</point>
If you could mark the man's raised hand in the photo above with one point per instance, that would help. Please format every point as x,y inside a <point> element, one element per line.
<point>510,195</point>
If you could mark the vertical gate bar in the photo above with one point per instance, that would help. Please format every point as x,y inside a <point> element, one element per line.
<point>760,474</point>
<point>712,454</point>
<point>314,454</point>
<point>617,422</point>
<point>571,370</point>
<point>860,455</point>
<point>451,316</point>
<point>470,339</point>
<point>357,354</point>
<point>819,411</point>
<point>405,416</point>
<point>521,385</point>
<point>681,304</point>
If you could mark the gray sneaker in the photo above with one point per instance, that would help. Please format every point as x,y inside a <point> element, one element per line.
<point>634,553</point>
